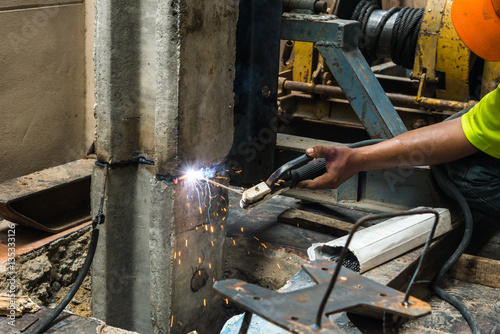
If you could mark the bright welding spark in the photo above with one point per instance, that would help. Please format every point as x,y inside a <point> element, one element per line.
<point>193,175</point>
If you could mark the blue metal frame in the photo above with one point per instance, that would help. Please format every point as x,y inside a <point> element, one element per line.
<point>337,41</point>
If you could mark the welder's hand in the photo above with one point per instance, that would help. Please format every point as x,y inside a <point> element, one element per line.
<point>340,166</point>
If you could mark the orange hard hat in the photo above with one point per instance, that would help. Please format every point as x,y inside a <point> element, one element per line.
<point>477,22</point>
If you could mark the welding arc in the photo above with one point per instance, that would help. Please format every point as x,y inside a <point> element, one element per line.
<point>223,186</point>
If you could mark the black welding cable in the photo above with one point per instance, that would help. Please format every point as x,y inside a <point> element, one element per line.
<point>99,219</point>
<point>45,324</point>
<point>447,185</point>
<point>367,142</point>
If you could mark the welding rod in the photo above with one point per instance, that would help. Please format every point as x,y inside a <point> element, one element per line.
<point>223,186</point>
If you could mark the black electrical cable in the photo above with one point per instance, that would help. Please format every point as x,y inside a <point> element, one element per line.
<point>447,185</point>
<point>367,142</point>
<point>345,251</point>
<point>99,219</point>
<point>45,324</point>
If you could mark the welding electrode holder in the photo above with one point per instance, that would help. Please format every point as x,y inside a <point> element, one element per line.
<point>296,170</point>
<point>285,177</point>
<point>309,171</point>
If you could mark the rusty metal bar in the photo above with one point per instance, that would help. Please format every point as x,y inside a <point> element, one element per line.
<point>400,100</point>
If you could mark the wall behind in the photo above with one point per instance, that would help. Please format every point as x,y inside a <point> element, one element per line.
<point>46,119</point>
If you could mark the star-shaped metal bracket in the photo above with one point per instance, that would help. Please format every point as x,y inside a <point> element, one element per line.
<point>296,311</point>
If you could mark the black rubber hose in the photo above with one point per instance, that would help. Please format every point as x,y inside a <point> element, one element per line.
<point>45,324</point>
<point>447,185</point>
<point>367,142</point>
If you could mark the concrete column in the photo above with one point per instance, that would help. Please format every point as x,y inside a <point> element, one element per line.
<point>164,74</point>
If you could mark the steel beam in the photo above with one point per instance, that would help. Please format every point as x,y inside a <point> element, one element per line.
<point>337,41</point>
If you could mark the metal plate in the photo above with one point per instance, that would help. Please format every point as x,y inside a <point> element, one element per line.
<point>296,311</point>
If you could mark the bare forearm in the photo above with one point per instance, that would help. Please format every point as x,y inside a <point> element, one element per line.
<point>431,145</point>
<point>435,144</point>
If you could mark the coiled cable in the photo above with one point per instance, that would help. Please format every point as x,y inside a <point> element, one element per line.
<point>404,35</point>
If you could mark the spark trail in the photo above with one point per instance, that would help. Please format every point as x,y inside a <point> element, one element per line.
<point>223,186</point>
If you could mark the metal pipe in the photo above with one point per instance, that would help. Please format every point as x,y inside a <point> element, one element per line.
<point>313,6</point>
<point>400,100</point>
<point>287,52</point>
